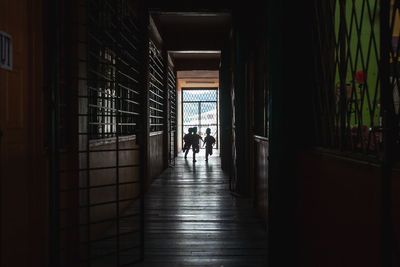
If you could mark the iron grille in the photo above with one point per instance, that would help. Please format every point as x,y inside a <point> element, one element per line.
<point>112,72</point>
<point>348,99</point>
<point>156,88</point>
<point>172,114</point>
<point>100,213</point>
<point>200,109</point>
<point>395,69</point>
<point>357,97</point>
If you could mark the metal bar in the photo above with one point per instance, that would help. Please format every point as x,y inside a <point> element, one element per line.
<point>154,93</point>
<point>176,116</point>
<point>128,89</point>
<point>156,109</point>
<point>145,131</point>
<point>54,144</point>
<point>342,74</point>
<point>88,213</point>
<point>157,73</point>
<point>166,111</point>
<point>217,106</point>
<point>388,115</point>
<point>199,110</point>
<point>155,102</point>
<point>117,195</point>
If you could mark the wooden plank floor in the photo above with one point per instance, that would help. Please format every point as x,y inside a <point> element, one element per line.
<point>192,220</point>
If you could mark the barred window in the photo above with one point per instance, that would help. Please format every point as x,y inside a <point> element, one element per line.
<point>104,103</point>
<point>172,114</point>
<point>113,69</point>
<point>156,88</point>
<point>172,98</point>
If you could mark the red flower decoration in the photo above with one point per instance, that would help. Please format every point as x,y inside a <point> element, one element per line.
<point>360,77</point>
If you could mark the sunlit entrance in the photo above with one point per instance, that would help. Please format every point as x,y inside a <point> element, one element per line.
<point>200,109</point>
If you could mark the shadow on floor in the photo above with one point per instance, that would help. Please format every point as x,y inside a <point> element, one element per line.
<point>192,220</point>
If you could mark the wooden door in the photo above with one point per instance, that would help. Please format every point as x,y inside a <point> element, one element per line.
<point>20,200</point>
<point>14,143</point>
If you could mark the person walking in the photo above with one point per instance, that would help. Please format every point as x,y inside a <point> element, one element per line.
<point>195,143</point>
<point>209,141</point>
<point>188,142</point>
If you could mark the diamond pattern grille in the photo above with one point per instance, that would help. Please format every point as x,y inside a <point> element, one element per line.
<point>200,109</point>
<point>395,67</point>
<point>199,95</point>
<point>348,99</point>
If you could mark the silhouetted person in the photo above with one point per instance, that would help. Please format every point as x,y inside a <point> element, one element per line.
<point>188,142</point>
<point>209,141</point>
<point>195,143</point>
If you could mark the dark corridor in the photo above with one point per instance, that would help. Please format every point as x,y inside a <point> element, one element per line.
<point>304,105</point>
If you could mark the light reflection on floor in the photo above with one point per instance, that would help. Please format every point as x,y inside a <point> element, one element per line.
<point>193,220</point>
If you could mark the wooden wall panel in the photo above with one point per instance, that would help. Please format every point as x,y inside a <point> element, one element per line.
<point>261,176</point>
<point>23,181</point>
<point>338,212</point>
<point>104,177</point>
<point>396,214</point>
<point>156,163</point>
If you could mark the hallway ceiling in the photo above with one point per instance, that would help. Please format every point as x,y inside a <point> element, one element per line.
<point>193,31</point>
<point>196,60</point>
<point>194,39</point>
<point>190,5</point>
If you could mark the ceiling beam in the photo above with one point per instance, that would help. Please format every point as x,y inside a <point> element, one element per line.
<point>190,42</point>
<point>190,14</point>
<point>190,64</point>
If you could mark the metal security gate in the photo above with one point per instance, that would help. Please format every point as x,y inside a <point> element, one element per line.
<point>172,116</point>
<point>157,92</point>
<point>357,98</point>
<point>200,109</point>
<point>348,35</point>
<point>392,58</point>
<point>97,203</point>
<point>162,100</point>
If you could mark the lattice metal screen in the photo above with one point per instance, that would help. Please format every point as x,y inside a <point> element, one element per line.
<point>395,69</point>
<point>348,100</point>
<point>101,205</point>
<point>113,81</point>
<point>200,109</point>
<point>172,114</point>
<point>351,105</point>
<point>156,88</point>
